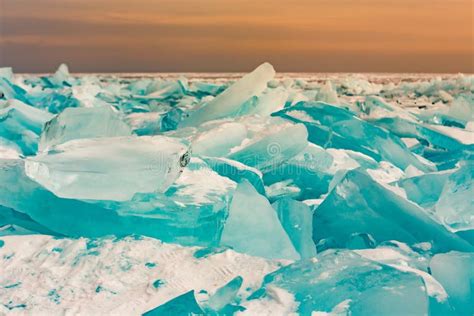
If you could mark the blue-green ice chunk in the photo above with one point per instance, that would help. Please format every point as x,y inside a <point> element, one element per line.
<point>10,91</point>
<point>221,301</point>
<point>358,204</point>
<point>79,123</point>
<point>163,90</point>
<point>216,140</point>
<point>145,123</point>
<point>183,305</point>
<point>189,212</point>
<point>9,216</point>
<point>22,124</point>
<point>455,271</point>
<point>343,282</point>
<point>332,127</point>
<point>455,207</point>
<point>296,218</point>
<point>271,148</point>
<point>424,189</point>
<point>236,171</point>
<point>309,171</point>
<point>282,189</point>
<point>252,227</point>
<point>230,101</point>
<point>405,128</point>
<point>141,86</point>
<point>54,101</point>
<point>313,169</point>
<point>442,158</point>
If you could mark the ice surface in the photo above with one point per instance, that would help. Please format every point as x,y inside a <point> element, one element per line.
<point>112,275</point>
<point>234,179</point>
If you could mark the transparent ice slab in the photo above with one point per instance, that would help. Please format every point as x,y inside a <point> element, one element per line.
<point>93,168</point>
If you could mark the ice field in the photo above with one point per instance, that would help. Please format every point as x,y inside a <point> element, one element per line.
<point>222,194</point>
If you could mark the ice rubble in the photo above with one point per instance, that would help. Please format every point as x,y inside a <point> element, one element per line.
<point>353,195</point>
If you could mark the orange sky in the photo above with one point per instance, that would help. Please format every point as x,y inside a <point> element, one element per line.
<point>236,35</point>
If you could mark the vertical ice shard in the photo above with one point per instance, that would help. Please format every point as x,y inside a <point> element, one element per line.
<point>253,227</point>
<point>296,218</point>
<point>455,271</point>
<point>94,168</point>
<point>455,207</point>
<point>358,204</point>
<point>230,101</point>
<point>79,123</point>
<point>328,94</point>
<point>22,124</point>
<point>60,78</point>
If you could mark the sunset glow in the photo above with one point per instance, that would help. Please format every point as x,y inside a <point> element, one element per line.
<point>236,35</point>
